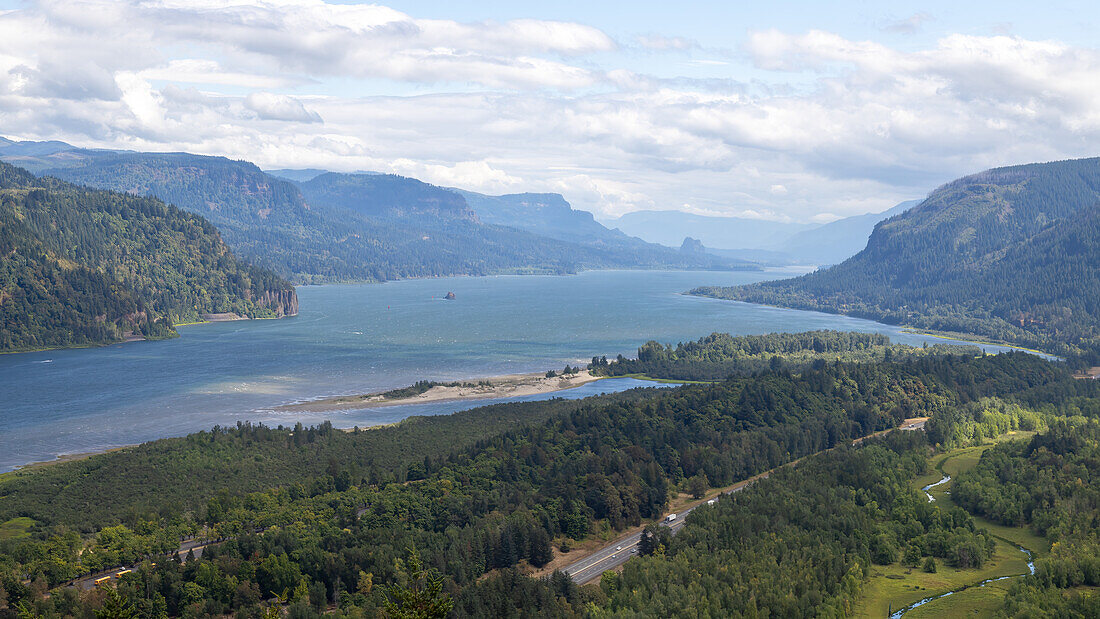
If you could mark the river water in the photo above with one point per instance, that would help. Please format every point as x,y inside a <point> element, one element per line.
<point>362,338</point>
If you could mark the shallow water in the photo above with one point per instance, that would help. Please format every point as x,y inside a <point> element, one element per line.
<point>362,338</point>
<point>946,478</point>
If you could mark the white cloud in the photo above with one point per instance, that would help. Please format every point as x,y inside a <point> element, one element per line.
<point>826,126</point>
<point>269,106</point>
<point>470,175</point>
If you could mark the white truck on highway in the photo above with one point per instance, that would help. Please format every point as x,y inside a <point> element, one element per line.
<point>670,517</point>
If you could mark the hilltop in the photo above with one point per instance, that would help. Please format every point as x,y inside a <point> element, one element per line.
<point>1009,253</point>
<point>82,266</point>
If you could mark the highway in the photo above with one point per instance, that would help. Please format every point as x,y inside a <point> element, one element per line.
<point>194,546</point>
<point>589,568</point>
<point>610,557</point>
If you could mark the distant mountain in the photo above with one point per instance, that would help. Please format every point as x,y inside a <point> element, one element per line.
<point>692,246</point>
<point>347,227</point>
<point>82,266</point>
<point>1011,253</point>
<point>767,242</point>
<point>442,218</point>
<point>298,176</point>
<point>550,215</point>
<point>837,241</point>
<point>670,227</point>
<point>547,214</point>
<point>385,196</point>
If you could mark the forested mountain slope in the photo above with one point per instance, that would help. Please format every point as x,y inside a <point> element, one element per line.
<point>1010,253</point>
<point>81,266</point>
<point>385,195</point>
<point>347,227</point>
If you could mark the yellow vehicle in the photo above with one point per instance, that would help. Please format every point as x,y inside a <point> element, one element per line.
<point>119,575</point>
<point>100,581</point>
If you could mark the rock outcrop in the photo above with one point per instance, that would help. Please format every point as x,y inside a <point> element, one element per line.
<point>283,302</point>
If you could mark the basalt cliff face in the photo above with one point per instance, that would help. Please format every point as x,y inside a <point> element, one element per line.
<point>283,302</point>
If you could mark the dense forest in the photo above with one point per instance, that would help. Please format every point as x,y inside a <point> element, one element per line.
<point>1049,484</point>
<point>82,266</point>
<point>379,519</point>
<point>348,227</point>
<point>1010,253</point>
<point>721,355</point>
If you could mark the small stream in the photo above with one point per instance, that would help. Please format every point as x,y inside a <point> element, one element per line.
<point>946,478</point>
<point>1030,567</point>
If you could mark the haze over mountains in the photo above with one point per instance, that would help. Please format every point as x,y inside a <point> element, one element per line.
<point>323,227</point>
<point>1010,253</point>
<point>760,240</point>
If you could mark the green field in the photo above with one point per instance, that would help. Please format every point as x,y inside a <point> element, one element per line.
<point>894,586</point>
<point>16,528</point>
<point>977,602</point>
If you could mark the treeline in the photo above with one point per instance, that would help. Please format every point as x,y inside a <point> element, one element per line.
<point>81,266</point>
<point>1050,484</point>
<point>721,355</point>
<point>341,537</point>
<point>1009,254</point>
<point>174,476</point>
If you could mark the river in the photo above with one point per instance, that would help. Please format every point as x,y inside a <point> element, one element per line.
<point>362,338</point>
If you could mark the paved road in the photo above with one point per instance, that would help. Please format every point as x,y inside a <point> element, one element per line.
<point>621,550</point>
<point>194,546</point>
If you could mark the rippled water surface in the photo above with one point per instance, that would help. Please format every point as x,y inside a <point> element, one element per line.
<point>360,338</point>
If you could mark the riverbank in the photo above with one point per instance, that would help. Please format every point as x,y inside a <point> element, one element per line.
<point>506,386</point>
<point>965,338</point>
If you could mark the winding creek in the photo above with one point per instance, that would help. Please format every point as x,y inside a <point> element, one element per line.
<point>1031,570</point>
<point>946,478</point>
<point>1030,564</point>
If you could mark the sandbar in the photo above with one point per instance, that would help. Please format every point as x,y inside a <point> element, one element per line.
<point>507,386</point>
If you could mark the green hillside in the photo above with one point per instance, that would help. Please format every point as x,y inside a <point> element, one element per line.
<point>82,266</point>
<point>1009,253</point>
<point>339,227</point>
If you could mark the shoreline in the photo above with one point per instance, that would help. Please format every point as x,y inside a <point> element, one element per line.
<point>955,336</point>
<point>494,387</point>
<point>62,458</point>
<point>502,386</point>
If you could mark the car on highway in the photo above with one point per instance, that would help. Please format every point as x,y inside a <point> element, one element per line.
<point>618,548</point>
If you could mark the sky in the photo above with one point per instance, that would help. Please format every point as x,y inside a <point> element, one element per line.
<point>789,111</point>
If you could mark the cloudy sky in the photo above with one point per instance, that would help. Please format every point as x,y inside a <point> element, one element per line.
<point>801,111</point>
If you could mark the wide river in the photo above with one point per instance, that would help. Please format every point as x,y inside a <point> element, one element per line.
<point>362,338</point>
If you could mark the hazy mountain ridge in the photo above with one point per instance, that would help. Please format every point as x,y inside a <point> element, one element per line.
<point>384,196</point>
<point>82,266</point>
<point>671,227</point>
<point>548,214</point>
<point>758,240</point>
<point>352,227</point>
<point>839,240</point>
<point>1009,253</point>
